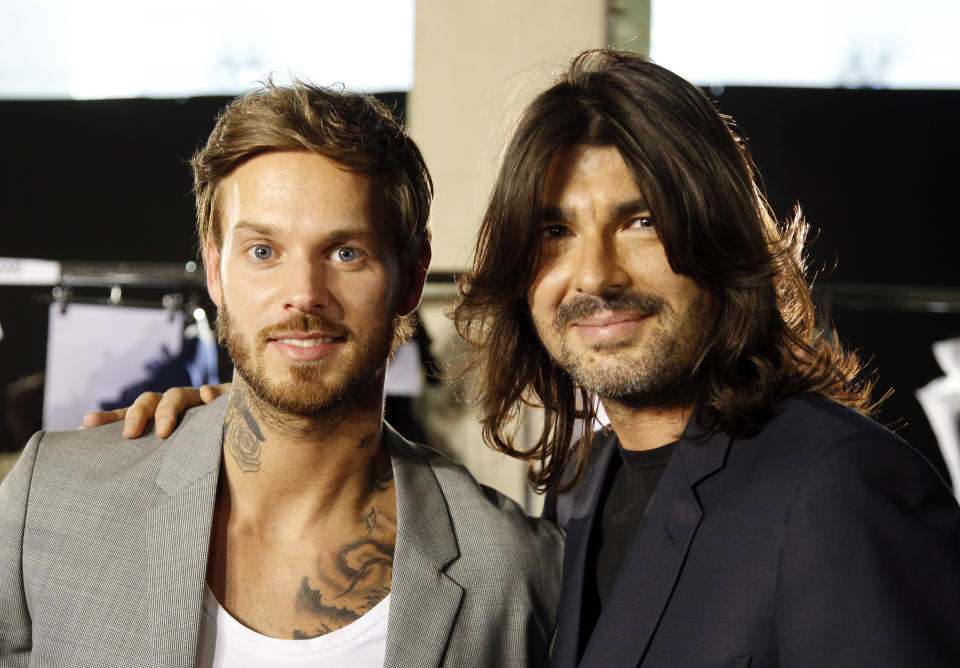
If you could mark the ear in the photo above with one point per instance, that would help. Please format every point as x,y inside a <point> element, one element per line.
<point>211,263</point>
<point>409,301</point>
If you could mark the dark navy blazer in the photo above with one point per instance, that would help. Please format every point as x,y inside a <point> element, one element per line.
<point>823,541</point>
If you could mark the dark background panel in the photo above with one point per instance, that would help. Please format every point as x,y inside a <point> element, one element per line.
<point>874,170</point>
<point>101,180</point>
<point>876,174</point>
<point>897,347</point>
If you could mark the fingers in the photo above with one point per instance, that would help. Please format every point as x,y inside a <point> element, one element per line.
<point>98,418</point>
<point>172,405</point>
<point>165,408</point>
<point>140,413</point>
<point>210,392</point>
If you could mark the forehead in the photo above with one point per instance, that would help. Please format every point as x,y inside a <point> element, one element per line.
<point>301,189</point>
<point>587,172</point>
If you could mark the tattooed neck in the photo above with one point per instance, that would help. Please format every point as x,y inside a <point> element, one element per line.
<point>243,437</point>
<point>242,434</point>
<point>380,469</point>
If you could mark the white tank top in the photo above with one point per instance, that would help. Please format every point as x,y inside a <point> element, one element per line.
<point>223,641</point>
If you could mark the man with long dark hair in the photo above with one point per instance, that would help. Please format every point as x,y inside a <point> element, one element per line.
<point>743,510</point>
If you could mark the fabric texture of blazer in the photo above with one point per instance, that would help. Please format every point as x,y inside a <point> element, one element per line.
<point>104,542</point>
<point>824,541</point>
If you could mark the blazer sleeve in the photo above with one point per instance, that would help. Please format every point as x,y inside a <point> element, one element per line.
<point>15,625</point>
<point>870,565</point>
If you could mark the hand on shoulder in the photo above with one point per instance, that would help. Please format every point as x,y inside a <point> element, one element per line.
<point>166,408</point>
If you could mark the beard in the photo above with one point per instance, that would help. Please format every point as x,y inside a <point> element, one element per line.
<point>307,392</point>
<point>657,371</point>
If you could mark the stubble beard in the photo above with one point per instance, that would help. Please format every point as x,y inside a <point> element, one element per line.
<point>655,372</point>
<point>307,393</point>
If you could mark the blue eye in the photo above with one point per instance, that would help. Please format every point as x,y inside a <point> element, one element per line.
<point>345,254</point>
<point>261,252</point>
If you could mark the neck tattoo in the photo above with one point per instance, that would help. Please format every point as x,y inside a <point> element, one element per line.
<point>241,432</point>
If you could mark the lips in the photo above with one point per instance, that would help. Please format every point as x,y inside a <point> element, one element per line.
<point>609,328</point>
<point>306,342</point>
<point>609,319</point>
<point>305,347</point>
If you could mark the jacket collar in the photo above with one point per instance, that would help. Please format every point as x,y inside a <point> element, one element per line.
<point>424,601</point>
<point>179,538</point>
<point>194,449</point>
<point>423,519</point>
<point>651,564</point>
<point>575,514</point>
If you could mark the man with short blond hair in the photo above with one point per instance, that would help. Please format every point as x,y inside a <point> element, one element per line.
<point>285,524</point>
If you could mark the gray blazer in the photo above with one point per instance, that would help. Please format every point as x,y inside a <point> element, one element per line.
<point>104,541</point>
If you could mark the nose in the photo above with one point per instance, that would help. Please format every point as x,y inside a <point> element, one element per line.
<point>305,286</point>
<point>598,268</point>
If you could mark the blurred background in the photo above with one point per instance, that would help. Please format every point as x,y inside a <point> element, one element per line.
<point>850,108</point>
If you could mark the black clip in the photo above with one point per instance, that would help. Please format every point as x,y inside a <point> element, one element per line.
<point>62,295</point>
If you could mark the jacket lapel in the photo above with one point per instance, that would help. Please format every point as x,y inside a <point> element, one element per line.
<point>655,557</point>
<point>576,513</point>
<point>180,534</point>
<point>423,600</point>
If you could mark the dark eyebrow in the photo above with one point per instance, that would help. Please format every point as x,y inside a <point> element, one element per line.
<point>631,208</point>
<point>554,214</point>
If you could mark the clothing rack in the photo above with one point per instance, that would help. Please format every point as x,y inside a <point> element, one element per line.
<point>174,279</point>
<point>170,275</point>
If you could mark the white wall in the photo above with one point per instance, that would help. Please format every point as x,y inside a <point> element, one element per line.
<point>476,65</point>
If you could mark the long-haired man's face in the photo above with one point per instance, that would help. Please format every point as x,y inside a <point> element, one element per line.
<point>605,302</point>
<point>306,281</point>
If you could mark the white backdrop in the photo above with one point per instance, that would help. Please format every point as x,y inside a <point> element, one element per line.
<point>814,43</point>
<point>94,351</point>
<point>178,48</point>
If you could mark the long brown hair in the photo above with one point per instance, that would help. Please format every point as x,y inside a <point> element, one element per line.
<point>716,227</point>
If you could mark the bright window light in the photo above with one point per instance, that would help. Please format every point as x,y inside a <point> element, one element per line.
<point>178,48</point>
<point>815,43</point>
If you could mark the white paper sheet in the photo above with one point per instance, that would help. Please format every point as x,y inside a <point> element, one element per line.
<point>94,351</point>
<point>405,373</point>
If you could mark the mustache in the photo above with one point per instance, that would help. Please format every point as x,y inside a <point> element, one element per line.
<point>586,306</point>
<point>304,323</point>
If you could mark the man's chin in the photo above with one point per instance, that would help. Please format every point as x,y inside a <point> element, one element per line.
<point>309,389</point>
<point>304,401</point>
<point>614,376</point>
<point>300,408</point>
<point>637,383</point>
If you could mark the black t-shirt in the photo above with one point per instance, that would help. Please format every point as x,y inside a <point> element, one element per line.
<point>630,483</point>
